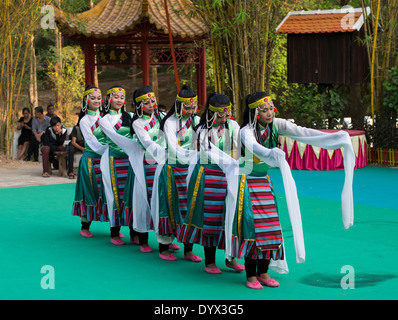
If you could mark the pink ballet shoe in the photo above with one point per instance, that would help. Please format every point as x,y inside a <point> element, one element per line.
<point>86,234</point>
<point>145,249</point>
<point>174,247</point>
<point>213,270</point>
<point>254,285</point>
<point>193,258</point>
<point>137,242</point>
<point>121,235</point>
<point>170,257</point>
<point>117,242</point>
<point>268,282</point>
<point>237,268</point>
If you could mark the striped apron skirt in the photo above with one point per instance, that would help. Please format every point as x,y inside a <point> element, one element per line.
<point>204,221</point>
<point>122,179</point>
<point>150,169</point>
<point>257,233</point>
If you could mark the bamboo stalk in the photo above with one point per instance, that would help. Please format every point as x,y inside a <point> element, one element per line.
<point>265,48</point>
<point>367,30</point>
<point>372,83</point>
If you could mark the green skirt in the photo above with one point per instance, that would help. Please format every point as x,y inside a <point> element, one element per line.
<point>172,198</point>
<point>88,202</point>
<point>256,231</point>
<point>204,221</point>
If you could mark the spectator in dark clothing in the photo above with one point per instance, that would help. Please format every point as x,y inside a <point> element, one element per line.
<point>39,126</point>
<point>51,111</point>
<point>162,107</point>
<point>53,140</point>
<point>76,145</point>
<point>25,125</point>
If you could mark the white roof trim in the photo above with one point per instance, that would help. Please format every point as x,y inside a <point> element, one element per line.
<point>357,26</point>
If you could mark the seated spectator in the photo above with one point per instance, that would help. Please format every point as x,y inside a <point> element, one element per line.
<point>76,145</point>
<point>162,108</point>
<point>53,140</point>
<point>39,125</point>
<point>51,111</point>
<point>25,125</point>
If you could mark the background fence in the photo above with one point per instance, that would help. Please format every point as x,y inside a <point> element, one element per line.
<point>383,156</point>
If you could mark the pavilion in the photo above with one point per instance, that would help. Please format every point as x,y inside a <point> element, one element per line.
<point>135,32</point>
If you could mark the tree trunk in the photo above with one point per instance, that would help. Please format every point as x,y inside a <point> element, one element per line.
<point>155,85</point>
<point>33,94</point>
<point>58,69</point>
<point>357,110</point>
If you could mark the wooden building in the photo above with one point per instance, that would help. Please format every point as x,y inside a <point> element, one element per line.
<point>323,46</point>
<point>135,32</point>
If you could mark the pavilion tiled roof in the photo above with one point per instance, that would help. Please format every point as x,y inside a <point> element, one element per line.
<point>114,17</point>
<point>322,21</point>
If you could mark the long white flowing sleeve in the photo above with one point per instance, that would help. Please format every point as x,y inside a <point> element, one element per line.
<point>230,167</point>
<point>157,152</point>
<point>276,158</point>
<point>176,152</point>
<point>135,153</point>
<point>182,155</point>
<point>330,141</point>
<point>85,126</point>
<point>153,149</point>
<point>236,138</point>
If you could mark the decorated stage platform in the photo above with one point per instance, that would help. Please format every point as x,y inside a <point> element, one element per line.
<point>301,156</point>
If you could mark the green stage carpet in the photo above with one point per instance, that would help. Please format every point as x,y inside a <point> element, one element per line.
<point>37,229</point>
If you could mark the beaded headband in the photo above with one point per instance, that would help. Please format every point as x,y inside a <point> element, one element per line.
<point>145,96</point>
<point>86,93</point>
<point>187,100</point>
<point>220,109</point>
<point>259,102</point>
<point>115,90</point>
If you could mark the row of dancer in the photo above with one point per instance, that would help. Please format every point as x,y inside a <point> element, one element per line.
<point>202,180</point>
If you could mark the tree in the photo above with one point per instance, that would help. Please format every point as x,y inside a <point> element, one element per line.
<point>241,44</point>
<point>381,28</point>
<point>19,25</point>
<point>17,22</point>
<point>68,81</point>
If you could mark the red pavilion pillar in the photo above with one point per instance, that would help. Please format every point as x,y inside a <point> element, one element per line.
<point>201,77</point>
<point>145,61</point>
<point>89,62</point>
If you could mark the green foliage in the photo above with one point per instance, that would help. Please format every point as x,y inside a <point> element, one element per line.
<point>314,104</point>
<point>308,105</point>
<point>390,92</point>
<point>281,91</point>
<point>384,133</point>
<point>336,100</point>
<point>69,82</point>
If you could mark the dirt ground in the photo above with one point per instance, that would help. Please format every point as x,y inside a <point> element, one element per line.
<point>15,173</point>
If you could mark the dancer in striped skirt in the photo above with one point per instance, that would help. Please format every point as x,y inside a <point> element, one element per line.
<point>88,200</point>
<point>169,200</point>
<point>145,127</point>
<point>115,166</point>
<point>257,233</point>
<point>207,185</point>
